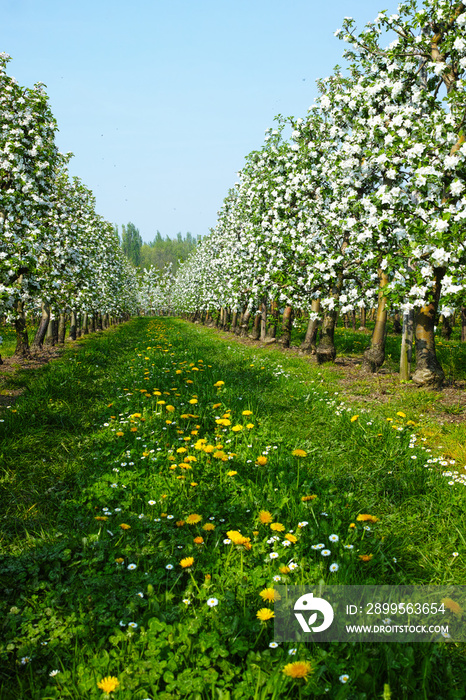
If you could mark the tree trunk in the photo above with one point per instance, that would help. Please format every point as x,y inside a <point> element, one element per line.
<point>256,329</point>
<point>429,372</point>
<point>244,326</point>
<point>397,327</point>
<point>362,322</point>
<point>42,329</point>
<point>374,355</point>
<point>73,325</point>
<point>49,334</point>
<point>22,339</point>
<point>234,322</point>
<point>309,343</point>
<point>407,334</point>
<point>62,329</point>
<point>325,351</point>
<point>263,321</point>
<point>287,324</point>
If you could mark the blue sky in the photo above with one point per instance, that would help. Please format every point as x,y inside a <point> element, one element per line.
<point>160,101</point>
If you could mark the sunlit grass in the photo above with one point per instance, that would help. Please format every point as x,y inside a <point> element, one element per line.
<point>97,520</point>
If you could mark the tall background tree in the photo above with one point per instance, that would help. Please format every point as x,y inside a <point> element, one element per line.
<point>131,243</point>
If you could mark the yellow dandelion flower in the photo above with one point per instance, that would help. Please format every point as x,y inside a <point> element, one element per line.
<point>354,418</point>
<point>270,594</point>
<point>193,519</point>
<point>101,517</point>
<point>179,523</point>
<point>299,453</point>
<point>365,557</point>
<point>453,606</point>
<point>108,684</point>
<point>261,460</point>
<point>290,537</point>
<point>237,538</point>
<point>193,483</point>
<point>190,458</point>
<point>298,669</point>
<point>278,527</point>
<point>265,517</point>
<point>219,383</point>
<point>365,517</point>
<point>198,540</point>
<point>216,405</point>
<point>120,560</point>
<point>187,562</point>
<point>237,428</point>
<point>284,569</point>
<point>119,434</point>
<point>124,526</point>
<point>208,527</point>
<point>401,414</point>
<point>265,614</point>
<point>180,450</point>
<point>169,408</point>
<point>250,426</point>
<point>231,473</point>
<point>247,413</point>
<point>308,498</point>
<point>209,449</point>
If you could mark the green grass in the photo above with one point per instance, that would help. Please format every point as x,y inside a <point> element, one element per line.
<point>68,602</point>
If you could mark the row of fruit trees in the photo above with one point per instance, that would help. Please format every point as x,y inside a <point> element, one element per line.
<point>363,205</point>
<point>57,255</point>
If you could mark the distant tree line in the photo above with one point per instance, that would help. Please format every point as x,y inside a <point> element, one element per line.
<point>159,252</point>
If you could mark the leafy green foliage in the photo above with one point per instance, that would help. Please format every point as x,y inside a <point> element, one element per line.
<point>162,251</point>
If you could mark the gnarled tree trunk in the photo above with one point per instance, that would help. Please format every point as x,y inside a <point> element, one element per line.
<point>42,329</point>
<point>429,372</point>
<point>309,343</point>
<point>374,356</point>
<point>287,324</point>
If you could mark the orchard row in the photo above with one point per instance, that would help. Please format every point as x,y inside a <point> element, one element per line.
<point>359,205</point>
<point>57,255</point>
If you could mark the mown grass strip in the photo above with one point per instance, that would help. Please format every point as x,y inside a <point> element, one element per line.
<point>127,465</point>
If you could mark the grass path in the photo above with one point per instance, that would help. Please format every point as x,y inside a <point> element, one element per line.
<point>129,462</point>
